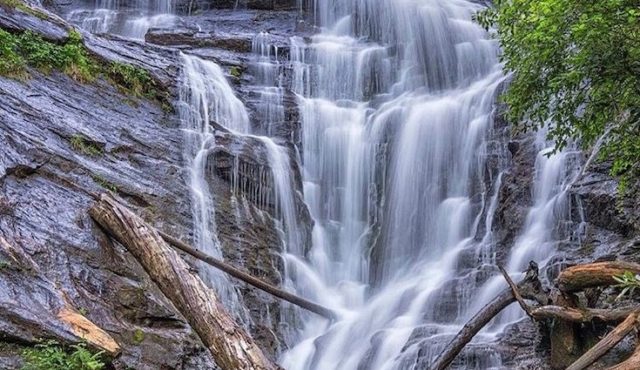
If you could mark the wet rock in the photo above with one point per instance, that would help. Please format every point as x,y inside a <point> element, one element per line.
<point>49,26</point>
<point>190,37</point>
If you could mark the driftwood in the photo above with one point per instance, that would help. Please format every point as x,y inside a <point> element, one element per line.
<point>591,275</point>
<point>608,342</point>
<point>229,344</point>
<point>251,280</point>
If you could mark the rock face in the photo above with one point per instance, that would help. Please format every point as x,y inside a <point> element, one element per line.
<point>61,143</point>
<point>54,259</point>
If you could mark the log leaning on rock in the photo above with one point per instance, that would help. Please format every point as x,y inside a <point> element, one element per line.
<point>229,344</point>
<point>590,275</point>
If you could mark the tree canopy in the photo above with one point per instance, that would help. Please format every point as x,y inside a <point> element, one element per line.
<point>576,71</point>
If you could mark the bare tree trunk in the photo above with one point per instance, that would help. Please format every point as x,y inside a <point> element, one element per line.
<point>230,345</point>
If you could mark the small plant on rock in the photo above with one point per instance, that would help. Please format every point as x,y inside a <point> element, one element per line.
<point>50,355</point>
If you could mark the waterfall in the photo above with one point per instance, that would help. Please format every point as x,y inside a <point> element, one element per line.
<point>267,69</point>
<point>131,19</point>
<point>397,101</point>
<point>205,97</point>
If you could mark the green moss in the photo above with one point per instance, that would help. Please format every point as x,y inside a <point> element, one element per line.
<point>104,183</point>
<point>81,144</point>
<point>138,336</point>
<point>51,355</point>
<point>236,71</point>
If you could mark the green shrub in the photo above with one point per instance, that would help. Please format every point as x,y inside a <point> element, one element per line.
<point>51,355</point>
<point>70,58</point>
<point>133,80</point>
<point>236,72</point>
<point>11,63</point>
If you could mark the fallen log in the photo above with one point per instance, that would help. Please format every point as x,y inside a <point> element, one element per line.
<point>591,275</point>
<point>608,342</point>
<point>582,315</point>
<point>251,280</point>
<point>530,288</point>
<point>229,344</point>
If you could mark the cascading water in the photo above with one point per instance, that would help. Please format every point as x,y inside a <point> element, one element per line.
<point>206,98</point>
<point>268,85</point>
<point>130,19</point>
<point>397,100</point>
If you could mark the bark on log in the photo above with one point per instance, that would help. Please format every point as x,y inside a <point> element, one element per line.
<point>530,288</point>
<point>594,274</point>
<point>238,274</point>
<point>582,315</point>
<point>608,342</point>
<point>230,345</point>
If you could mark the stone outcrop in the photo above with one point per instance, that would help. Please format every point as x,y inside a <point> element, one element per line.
<point>47,176</point>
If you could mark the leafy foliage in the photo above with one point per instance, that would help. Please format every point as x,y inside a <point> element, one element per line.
<point>576,70</point>
<point>134,80</point>
<point>51,356</point>
<point>28,48</point>
<point>71,58</point>
<point>628,282</point>
<point>17,51</point>
<point>11,63</point>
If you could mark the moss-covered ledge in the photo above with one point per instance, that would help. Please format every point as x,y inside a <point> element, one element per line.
<point>26,48</point>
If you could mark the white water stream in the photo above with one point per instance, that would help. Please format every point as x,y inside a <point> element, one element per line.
<point>131,19</point>
<point>397,99</point>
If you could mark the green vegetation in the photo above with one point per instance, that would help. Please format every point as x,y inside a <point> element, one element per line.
<point>11,63</point>
<point>628,282</point>
<point>104,183</point>
<point>138,336</point>
<point>236,72</point>
<point>29,49</point>
<point>51,355</point>
<point>21,5</point>
<point>17,52</point>
<point>576,70</point>
<point>81,144</point>
<point>4,265</point>
<point>132,80</point>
